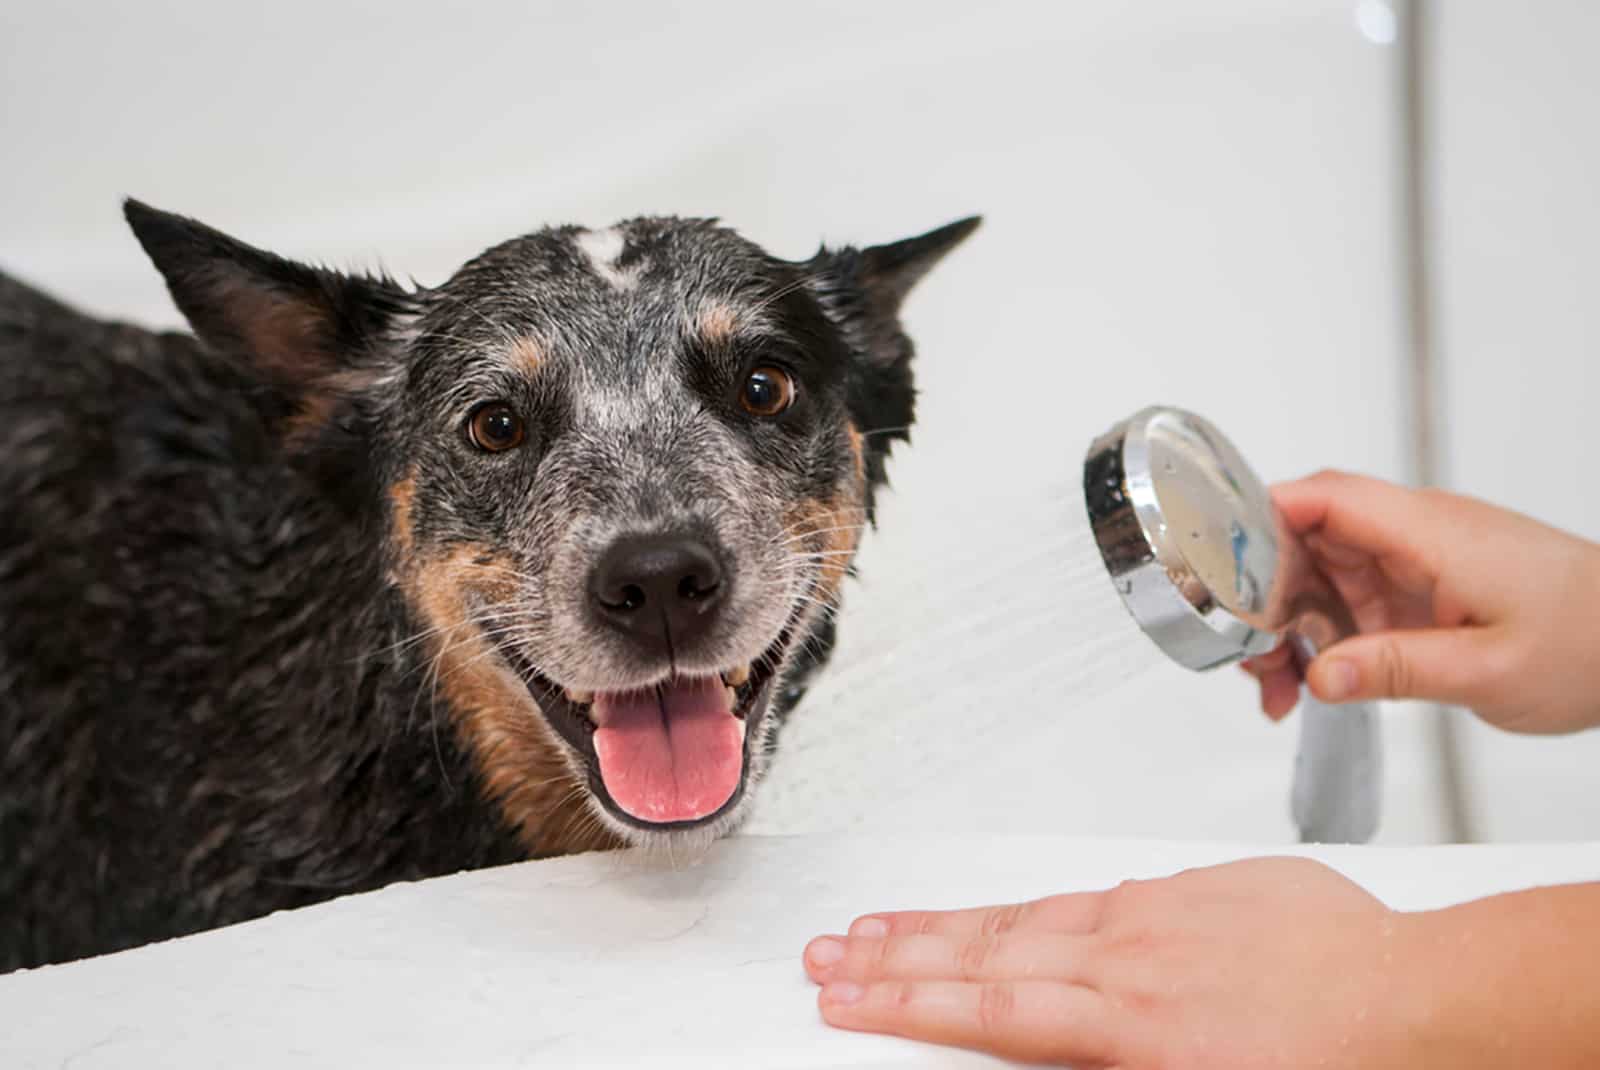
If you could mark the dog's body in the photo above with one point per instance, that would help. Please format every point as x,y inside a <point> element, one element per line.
<point>365,584</point>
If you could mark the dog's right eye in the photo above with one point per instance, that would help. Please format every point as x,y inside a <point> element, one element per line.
<point>495,427</point>
<point>767,391</point>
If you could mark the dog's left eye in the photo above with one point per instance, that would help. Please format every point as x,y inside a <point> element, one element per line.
<point>495,427</point>
<point>767,391</point>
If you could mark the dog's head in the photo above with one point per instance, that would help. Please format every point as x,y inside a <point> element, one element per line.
<point>621,473</point>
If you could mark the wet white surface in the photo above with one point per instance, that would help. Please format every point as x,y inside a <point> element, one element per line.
<point>603,961</point>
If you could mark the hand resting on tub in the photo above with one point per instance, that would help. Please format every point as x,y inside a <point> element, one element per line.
<point>1279,962</point>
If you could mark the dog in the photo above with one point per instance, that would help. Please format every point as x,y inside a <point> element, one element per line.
<point>362,582</point>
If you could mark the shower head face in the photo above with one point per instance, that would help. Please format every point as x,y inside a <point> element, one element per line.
<point>1190,536</point>
<point>1215,519</point>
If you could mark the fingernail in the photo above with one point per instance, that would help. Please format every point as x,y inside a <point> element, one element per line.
<point>842,994</point>
<point>1341,680</point>
<point>826,951</point>
<point>870,928</point>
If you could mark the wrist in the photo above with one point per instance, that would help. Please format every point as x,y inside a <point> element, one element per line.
<point>1510,980</point>
<point>1435,984</point>
<point>1419,1022</point>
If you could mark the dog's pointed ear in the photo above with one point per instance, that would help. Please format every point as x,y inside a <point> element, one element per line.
<point>300,326</point>
<point>888,272</point>
<point>862,289</point>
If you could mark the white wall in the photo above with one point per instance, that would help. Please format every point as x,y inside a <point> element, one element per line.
<point>1515,162</point>
<point>1186,203</point>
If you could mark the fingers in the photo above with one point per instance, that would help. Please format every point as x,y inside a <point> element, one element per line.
<point>1457,666</point>
<point>1075,913</point>
<point>1280,692</point>
<point>917,957</point>
<point>1001,979</point>
<point>1279,680</point>
<point>1354,515</point>
<point>1335,555</point>
<point>1030,1021</point>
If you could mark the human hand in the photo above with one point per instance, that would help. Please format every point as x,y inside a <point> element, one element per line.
<point>1456,601</point>
<point>1264,963</point>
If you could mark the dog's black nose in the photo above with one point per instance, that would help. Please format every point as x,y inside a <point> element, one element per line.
<point>664,589</point>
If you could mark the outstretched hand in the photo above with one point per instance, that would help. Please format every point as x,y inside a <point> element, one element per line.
<point>1265,963</point>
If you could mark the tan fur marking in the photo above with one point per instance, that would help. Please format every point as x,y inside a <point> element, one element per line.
<point>521,762</point>
<point>526,355</point>
<point>718,323</point>
<point>318,401</point>
<point>401,496</point>
<point>838,534</point>
<point>832,526</point>
<point>288,338</point>
<point>316,410</point>
<point>858,451</point>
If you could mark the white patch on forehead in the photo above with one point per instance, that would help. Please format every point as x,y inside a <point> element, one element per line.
<point>603,248</point>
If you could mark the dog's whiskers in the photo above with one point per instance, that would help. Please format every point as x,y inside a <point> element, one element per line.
<point>798,283</point>
<point>896,429</point>
<point>812,533</point>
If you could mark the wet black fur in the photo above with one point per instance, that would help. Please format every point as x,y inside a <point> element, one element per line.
<point>203,713</point>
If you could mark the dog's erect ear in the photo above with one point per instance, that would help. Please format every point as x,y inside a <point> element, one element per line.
<point>862,289</point>
<point>302,327</point>
<point>888,272</point>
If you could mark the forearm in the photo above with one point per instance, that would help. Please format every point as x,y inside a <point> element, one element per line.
<point>1512,980</point>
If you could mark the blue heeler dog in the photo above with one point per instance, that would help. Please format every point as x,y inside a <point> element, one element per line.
<point>364,583</point>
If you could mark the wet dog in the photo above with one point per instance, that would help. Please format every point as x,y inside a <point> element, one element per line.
<point>364,583</point>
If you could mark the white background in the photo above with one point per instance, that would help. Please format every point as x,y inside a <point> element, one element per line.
<point>1196,204</point>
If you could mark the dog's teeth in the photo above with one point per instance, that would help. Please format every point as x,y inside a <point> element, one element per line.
<point>579,698</point>
<point>737,677</point>
<point>733,699</point>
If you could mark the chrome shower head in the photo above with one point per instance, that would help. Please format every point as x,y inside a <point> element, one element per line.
<point>1205,564</point>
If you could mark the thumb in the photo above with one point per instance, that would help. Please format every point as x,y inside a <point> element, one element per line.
<point>1448,665</point>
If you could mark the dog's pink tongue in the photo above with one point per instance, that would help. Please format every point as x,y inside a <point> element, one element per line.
<point>672,756</point>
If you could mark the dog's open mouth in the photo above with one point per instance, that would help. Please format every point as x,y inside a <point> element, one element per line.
<point>671,755</point>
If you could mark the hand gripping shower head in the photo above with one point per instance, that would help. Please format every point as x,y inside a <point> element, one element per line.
<point>1210,572</point>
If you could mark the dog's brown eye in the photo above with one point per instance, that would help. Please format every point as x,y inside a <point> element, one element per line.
<point>767,392</point>
<point>495,427</point>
